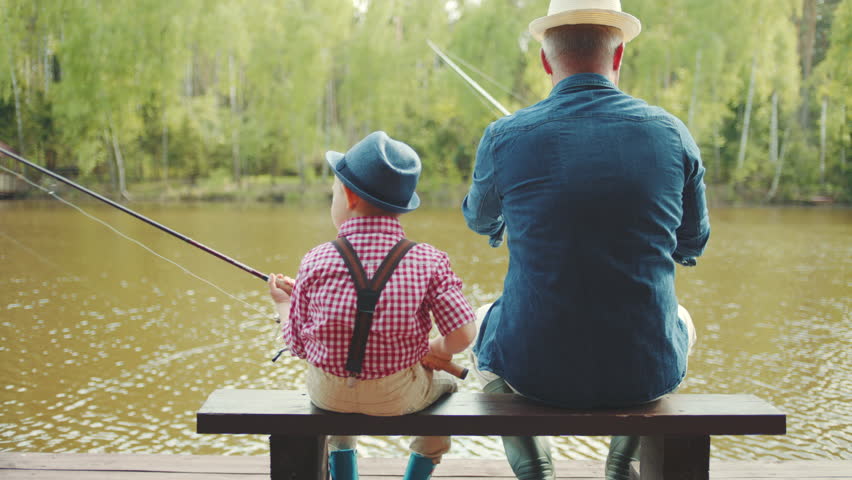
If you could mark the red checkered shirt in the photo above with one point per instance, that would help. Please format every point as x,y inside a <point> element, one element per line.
<point>323,305</point>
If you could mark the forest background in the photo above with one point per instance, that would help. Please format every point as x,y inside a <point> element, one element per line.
<point>240,99</point>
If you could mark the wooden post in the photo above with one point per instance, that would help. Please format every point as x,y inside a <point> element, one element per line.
<point>675,457</point>
<point>297,458</point>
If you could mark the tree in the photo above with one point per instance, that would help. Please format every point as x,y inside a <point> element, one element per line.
<point>834,79</point>
<point>232,90</point>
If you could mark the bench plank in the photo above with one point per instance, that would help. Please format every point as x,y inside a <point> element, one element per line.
<point>291,413</point>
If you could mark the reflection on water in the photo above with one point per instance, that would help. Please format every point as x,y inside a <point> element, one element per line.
<point>105,348</point>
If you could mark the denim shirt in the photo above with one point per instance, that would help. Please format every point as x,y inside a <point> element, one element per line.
<point>599,196</point>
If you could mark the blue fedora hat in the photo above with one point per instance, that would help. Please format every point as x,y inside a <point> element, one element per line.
<point>381,170</point>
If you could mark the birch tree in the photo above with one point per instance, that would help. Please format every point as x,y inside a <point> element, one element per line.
<point>17,94</point>
<point>749,100</point>
<point>834,82</point>
<point>807,38</point>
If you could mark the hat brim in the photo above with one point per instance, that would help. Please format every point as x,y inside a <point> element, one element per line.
<point>335,158</point>
<point>629,25</point>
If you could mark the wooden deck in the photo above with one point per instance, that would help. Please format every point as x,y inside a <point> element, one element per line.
<point>10,186</point>
<point>78,466</point>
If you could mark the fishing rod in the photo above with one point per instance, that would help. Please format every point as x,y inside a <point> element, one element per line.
<point>138,215</point>
<point>467,78</point>
<point>446,365</point>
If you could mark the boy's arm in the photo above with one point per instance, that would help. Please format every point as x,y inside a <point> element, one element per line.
<point>286,296</point>
<point>454,342</point>
<point>441,350</point>
<point>453,315</point>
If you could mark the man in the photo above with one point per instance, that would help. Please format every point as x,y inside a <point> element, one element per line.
<point>600,196</point>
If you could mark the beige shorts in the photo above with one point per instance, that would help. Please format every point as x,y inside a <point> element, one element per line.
<point>403,392</point>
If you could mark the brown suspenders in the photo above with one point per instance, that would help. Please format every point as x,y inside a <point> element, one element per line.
<point>368,291</point>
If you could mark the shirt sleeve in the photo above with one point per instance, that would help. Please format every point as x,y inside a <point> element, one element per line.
<point>694,230</point>
<point>482,206</point>
<point>445,300</point>
<point>299,303</point>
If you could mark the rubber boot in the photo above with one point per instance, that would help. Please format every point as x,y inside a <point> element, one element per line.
<point>529,457</point>
<point>342,465</point>
<point>622,451</point>
<point>419,468</point>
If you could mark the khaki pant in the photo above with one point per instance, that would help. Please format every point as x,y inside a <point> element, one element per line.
<point>401,393</point>
<point>530,457</point>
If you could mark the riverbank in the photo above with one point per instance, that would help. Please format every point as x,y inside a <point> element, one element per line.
<point>84,466</point>
<point>291,190</point>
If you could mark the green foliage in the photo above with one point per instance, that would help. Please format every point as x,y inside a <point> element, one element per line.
<point>224,93</point>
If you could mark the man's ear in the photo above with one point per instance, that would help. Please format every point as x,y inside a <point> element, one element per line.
<point>616,59</point>
<point>544,63</point>
<point>352,200</point>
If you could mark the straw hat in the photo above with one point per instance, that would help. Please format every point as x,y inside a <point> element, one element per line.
<point>595,12</point>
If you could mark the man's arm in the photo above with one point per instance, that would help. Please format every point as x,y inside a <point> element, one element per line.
<point>694,230</point>
<point>482,206</point>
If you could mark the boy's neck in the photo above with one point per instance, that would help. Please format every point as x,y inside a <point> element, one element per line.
<point>364,209</point>
<point>380,213</point>
<point>352,214</point>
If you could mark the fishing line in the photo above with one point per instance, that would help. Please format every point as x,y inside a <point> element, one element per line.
<point>159,362</point>
<point>137,242</point>
<point>467,78</point>
<point>491,108</point>
<point>484,75</point>
<point>29,250</point>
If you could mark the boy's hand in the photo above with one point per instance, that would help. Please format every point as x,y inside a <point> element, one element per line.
<point>280,287</point>
<point>434,362</point>
<point>436,358</point>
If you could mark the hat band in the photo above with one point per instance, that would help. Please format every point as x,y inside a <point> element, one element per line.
<point>350,179</point>
<point>559,6</point>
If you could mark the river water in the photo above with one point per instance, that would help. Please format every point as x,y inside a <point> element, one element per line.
<point>104,347</point>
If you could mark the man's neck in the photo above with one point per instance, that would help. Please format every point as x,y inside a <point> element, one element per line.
<point>558,76</point>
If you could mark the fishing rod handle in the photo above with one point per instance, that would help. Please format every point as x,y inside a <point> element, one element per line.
<point>448,366</point>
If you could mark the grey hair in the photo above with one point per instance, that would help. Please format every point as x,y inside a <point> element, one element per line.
<point>582,44</point>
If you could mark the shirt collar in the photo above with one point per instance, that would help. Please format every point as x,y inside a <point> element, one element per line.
<point>383,225</point>
<point>582,81</point>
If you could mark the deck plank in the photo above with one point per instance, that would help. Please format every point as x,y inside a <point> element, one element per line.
<point>85,466</point>
<point>136,462</point>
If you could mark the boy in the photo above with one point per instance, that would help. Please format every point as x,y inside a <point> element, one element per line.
<point>366,347</point>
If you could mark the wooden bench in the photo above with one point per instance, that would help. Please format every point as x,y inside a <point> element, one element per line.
<point>675,430</point>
